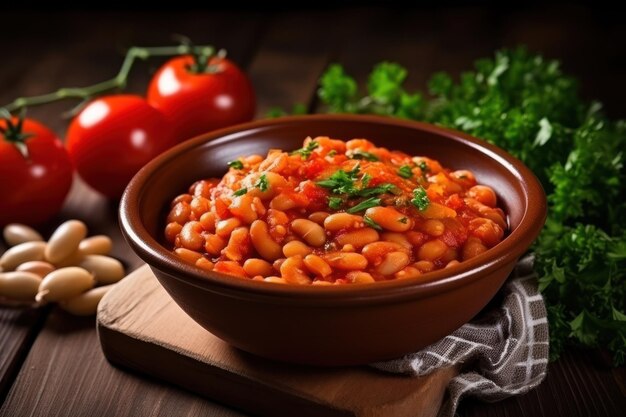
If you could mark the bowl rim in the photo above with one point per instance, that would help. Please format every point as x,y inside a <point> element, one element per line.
<point>504,253</point>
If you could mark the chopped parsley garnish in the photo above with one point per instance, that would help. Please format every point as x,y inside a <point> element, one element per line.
<point>364,205</point>
<point>420,198</point>
<point>332,153</point>
<point>236,164</point>
<point>334,203</point>
<point>403,220</point>
<point>341,182</point>
<point>240,191</point>
<point>307,150</point>
<point>365,179</point>
<point>262,183</point>
<point>379,189</point>
<point>371,223</point>
<point>405,171</point>
<point>355,171</point>
<point>368,156</point>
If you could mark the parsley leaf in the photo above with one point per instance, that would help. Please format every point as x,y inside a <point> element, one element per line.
<point>262,183</point>
<point>420,199</point>
<point>236,164</point>
<point>354,171</point>
<point>378,190</point>
<point>385,82</point>
<point>386,95</point>
<point>337,89</point>
<point>305,152</point>
<point>335,203</point>
<point>240,191</point>
<point>365,179</point>
<point>371,223</point>
<point>298,108</point>
<point>364,205</point>
<point>405,171</point>
<point>368,156</point>
<point>340,182</point>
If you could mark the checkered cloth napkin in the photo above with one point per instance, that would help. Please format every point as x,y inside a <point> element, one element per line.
<point>503,353</point>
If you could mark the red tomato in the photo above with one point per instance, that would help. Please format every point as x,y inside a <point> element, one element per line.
<point>113,137</point>
<point>195,103</point>
<point>315,196</point>
<point>455,202</point>
<point>313,167</point>
<point>455,234</point>
<point>32,186</point>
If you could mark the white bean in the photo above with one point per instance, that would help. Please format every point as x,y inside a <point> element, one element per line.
<point>65,283</point>
<point>86,303</point>
<point>360,277</point>
<point>96,245</point>
<point>40,268</point>
<point>73,259</point>
<point>263,242</point>
<point>24,252</point>
<point>16,233</point>
<point>295,247</point>
<point>389,218</point>
<point>310,231</point>
<point>65,240</point>
<point>19,285</point>
<point>106,270</point>
<point>292,271</point>
<point>338,221</point>
<point>392,263</point>
<point>345,260</point>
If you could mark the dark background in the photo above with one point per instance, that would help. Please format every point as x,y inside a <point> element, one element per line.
<point>51,363</point>
<point>589,41</point>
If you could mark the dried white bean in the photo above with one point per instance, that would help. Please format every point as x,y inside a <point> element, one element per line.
<point>73,259</point>
<point>24,252</point>
<point>96,245</point>
<point>65,283</point>
<point>40,268</point>
<point>65,240</point>
<point>16,233</point>
<point>19,285</point>
<point>106,270</point>
<point>86,303</point>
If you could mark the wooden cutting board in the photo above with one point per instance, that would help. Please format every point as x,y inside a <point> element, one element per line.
<point>142,329</point>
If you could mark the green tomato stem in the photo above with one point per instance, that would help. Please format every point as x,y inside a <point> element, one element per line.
<point>118,82</point>
<point>12,132</point>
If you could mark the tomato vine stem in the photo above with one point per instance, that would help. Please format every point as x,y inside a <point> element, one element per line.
<point>117,82</point>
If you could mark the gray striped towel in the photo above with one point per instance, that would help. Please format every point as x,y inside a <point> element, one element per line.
<point>506,350</point>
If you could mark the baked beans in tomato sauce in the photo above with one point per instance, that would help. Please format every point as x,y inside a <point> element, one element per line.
<point>334,212</point>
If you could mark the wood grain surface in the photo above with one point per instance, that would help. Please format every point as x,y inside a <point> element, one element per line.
<point>51,363</point>
<point>142,328</point>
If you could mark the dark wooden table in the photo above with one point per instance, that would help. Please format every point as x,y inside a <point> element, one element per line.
<point>51,363</point>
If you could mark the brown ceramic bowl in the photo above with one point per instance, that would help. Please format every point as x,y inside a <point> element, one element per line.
<point>338,325</point>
